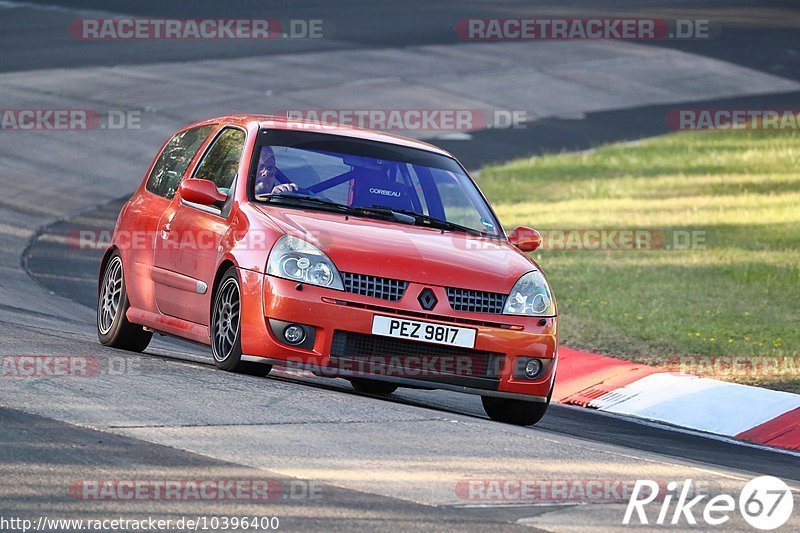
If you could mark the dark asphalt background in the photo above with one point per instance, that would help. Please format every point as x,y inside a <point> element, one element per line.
<point>773,45</point>
<point>762,35</point>
<point>112,457</point>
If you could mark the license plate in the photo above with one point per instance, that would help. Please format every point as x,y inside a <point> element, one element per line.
<point>423,331</point>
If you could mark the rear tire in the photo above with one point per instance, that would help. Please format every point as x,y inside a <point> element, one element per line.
<point>371,386</point>
<point>517,412</point>
<point>113,328</point>
<point>226,330</point>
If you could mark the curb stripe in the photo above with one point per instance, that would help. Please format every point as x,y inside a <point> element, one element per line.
<point>730,409</point>
<point>698,403</point>
<point>783,431</point>
<point>583,377</point>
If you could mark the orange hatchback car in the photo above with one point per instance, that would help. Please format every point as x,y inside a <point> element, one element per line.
<point>346,252</point>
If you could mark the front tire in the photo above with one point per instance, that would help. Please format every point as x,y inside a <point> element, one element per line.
<point>517,412</point>
<point>226,329</point>
<point>113,328</point>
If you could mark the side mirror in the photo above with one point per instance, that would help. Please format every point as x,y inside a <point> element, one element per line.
<point>203,192</point>
<point>526,239</point>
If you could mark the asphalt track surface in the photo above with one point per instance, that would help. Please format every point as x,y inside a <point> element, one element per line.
<point>382,464</point>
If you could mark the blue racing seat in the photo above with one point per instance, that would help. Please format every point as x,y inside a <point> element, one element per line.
<point>373,187</point>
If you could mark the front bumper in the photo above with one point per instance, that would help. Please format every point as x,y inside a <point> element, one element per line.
<point>343,342</point>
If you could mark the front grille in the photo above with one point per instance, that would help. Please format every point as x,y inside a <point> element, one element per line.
<point>476,301</point>
<point>375,354</point>
<point>374,286</point>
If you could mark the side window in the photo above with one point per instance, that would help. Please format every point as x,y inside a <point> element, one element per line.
<point>221,162</point>
<point>174,159</point>
<point>461,206</point>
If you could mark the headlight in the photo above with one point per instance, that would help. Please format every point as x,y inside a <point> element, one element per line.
<point>530,297</point>
<point>298,260</point>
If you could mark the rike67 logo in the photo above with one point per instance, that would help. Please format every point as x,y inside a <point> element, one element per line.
<point>765,503</point>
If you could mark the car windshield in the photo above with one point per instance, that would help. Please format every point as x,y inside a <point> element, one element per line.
<point>315,170</point>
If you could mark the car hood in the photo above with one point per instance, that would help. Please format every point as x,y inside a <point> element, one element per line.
<point>401,251</point>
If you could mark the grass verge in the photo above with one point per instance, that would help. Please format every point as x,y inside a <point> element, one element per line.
<point>716,291</point>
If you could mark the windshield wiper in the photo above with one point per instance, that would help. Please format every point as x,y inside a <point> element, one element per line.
<point>398,215</point>
<point>305,200</point>
<point>302,199</point>
<point>433,222</point>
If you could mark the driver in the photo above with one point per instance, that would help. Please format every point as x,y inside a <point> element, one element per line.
<point>267,175</point>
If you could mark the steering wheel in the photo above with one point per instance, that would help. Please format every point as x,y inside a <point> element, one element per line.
<point>302,191</point>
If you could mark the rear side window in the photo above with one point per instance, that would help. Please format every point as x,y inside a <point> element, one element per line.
<point>174,159</point>
<point>221,162</point>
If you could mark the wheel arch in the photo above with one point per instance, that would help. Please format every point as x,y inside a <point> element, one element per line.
<point>223,267</point>
<point>103,262</point>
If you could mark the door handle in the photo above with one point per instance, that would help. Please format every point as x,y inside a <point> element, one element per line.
<point>165,229</point>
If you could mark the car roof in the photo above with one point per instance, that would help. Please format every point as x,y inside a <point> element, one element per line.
<point>285,123</point>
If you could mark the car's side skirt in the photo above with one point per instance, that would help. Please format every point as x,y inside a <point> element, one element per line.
<point>170,325</point>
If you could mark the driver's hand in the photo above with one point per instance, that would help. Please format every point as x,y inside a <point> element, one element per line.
<point>285,187</point>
